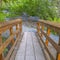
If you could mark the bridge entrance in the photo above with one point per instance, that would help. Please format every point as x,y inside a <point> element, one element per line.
<point>36,44</point>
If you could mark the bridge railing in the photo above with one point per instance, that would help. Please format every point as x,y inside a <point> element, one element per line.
<point>10,42</point>
<point>44,29</point>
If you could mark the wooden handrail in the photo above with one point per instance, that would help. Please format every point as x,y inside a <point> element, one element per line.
<point>9,26</point>
<point>52,25</point>
<point>41,24</point>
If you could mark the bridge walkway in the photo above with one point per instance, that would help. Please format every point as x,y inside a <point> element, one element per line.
<point>29,48</point>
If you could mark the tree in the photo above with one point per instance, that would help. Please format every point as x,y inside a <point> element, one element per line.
<point>45,9</point>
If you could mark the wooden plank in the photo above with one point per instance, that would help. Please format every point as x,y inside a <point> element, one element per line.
<point>39,55</point>
<point>29,48</point>
<point>21,50</point>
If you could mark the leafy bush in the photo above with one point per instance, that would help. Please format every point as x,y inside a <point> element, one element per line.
<point>2,17</point>
<point>45,9</point>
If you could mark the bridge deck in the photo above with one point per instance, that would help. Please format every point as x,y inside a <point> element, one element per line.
<point>29,48</point>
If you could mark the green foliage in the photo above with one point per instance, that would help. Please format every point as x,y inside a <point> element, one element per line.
<point>45,9</point>
<point>56,19</point>
<point>2,16</point>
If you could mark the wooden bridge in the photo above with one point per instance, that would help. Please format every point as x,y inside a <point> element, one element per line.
<point>29,45</point>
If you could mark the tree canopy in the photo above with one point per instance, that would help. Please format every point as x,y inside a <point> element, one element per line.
<point>45,9</point>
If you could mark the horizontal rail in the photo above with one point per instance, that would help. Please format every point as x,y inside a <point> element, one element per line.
<point>46,47</point>
<point>7,25</point>
<point>52,42</point>
<point>10,40</point>
<point>41,25</point>
<point>51,25</point>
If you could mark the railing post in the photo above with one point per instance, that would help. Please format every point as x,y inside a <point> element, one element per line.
<point>58,54</point>
<point>58,57</point>
<point>48,33</point>
<point>17,29</point>
<point>1,56</point>
<point>11,32</point>
<point>20,26</point>
<point>38,27</point>
<point>42,28</point>
<point>0,40</point>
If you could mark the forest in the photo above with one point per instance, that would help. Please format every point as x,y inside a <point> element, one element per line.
<point>44,9</point>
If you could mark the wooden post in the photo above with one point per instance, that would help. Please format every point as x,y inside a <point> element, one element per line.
<point>42,28</point>
<point>38,27</point>
<point>0,40</point>
<point>17,29</point>
<point>1,56</point>
<point>20,26</point>
<point>58,54</point>
<point>48,33</point>
<point>58,57</point>
<point>11,32</point>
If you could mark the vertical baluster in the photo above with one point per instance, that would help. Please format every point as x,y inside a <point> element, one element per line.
<point>1,56</point>
<point>17,29</point>
<point>20,26</point>
<point>11,32</point>
<point>0,40</point>
<point>58,54</point>
<point>58,57</point>
<point>48,33</point>
<point>38,27</point>
<point>42,28</point>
